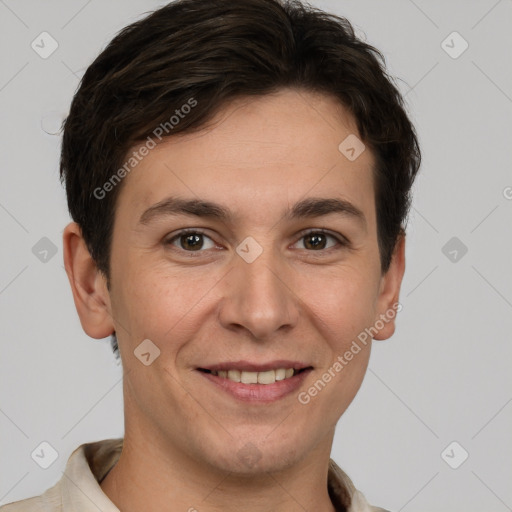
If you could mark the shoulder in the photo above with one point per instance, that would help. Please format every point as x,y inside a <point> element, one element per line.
<point>49,501</point>
<point>359,504</point>
<point>79,484</point>
<point>27,505</point>
<point>344,491</point>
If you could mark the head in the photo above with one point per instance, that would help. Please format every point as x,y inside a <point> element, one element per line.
<point>239,112</point>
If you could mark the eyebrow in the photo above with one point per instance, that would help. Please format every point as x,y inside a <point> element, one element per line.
<point>307,208</point>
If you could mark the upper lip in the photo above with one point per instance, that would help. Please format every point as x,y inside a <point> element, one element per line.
<point>253,367</point>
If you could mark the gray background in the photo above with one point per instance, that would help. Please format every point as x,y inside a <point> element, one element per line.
<point>444,376</point>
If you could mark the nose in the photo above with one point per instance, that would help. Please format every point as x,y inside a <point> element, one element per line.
<point>258,297</point>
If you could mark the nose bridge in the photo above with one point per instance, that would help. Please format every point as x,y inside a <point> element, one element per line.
<point>257,296</point>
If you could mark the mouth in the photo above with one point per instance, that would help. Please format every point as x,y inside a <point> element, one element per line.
<point>252,386</point>
<point>265,378</point>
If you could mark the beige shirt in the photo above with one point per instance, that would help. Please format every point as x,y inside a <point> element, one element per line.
<point>79,488</point>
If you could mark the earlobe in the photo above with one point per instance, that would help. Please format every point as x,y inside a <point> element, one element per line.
<point>388,301</point>
<point>88,285</point>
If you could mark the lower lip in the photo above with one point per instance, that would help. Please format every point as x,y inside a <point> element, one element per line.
<point>263,393</point>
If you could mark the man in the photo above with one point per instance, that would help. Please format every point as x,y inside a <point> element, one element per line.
<point>239,177</point>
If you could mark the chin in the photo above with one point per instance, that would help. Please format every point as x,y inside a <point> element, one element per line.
<point>251,455</point>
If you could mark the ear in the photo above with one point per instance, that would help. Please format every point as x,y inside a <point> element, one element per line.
<point>88,284</point>
<point>389,293</point>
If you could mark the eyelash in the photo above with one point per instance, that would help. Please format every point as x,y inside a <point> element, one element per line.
<point>341,240</point>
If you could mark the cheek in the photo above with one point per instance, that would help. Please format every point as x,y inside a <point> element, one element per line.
<point>343,303</point>
<point>342,312</point>
<point>157,303</point>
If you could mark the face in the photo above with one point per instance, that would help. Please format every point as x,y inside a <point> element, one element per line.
<point>268,274</point>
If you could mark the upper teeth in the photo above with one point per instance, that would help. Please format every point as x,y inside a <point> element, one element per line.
<point>267,377</point>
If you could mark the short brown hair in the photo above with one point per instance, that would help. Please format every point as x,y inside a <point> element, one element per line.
<point>214,51</point>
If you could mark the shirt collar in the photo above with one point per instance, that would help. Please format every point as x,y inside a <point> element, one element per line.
<point>90,462</point>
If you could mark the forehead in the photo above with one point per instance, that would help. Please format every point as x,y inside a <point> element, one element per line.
<point>256,153</point>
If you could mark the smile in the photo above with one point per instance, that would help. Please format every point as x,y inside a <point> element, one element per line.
<point>265,386</point>
<point>266,377</point>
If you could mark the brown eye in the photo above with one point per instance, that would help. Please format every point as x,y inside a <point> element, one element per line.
<point>193,241</point>
<point>315,241</point>
<point>318,240</point>
<point>190,241</point>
